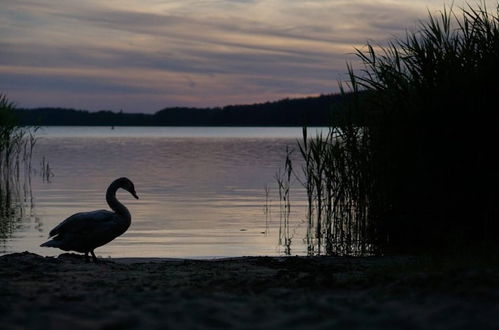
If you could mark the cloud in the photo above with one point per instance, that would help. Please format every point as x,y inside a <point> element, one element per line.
<point>150,54</point>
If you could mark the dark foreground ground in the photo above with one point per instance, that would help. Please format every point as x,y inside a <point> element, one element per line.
<point>246,293</point>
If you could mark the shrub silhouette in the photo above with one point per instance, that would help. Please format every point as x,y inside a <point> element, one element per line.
<point>412,167</point>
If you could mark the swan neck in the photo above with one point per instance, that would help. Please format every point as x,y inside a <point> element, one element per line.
<point>114,204</point>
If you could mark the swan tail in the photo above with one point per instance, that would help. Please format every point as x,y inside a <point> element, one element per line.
<point>51,243</point>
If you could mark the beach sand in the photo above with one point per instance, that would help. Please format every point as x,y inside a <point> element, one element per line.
<point>244,293</point>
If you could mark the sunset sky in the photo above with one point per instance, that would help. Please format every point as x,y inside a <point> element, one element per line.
<point>142,56</point>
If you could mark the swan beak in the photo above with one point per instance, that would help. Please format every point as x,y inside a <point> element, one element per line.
<point>134,194</point>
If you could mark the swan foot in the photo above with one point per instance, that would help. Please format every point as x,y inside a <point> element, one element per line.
<point>94,258</point>
<point>87,259</point>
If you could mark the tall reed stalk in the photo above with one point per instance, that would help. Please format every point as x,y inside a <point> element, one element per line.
<point>284,185</point>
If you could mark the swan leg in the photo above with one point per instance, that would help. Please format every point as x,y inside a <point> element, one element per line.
<point>94,258</point>
<point>86,257</point>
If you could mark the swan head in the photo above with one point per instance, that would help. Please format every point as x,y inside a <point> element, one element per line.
<point>127,184</point>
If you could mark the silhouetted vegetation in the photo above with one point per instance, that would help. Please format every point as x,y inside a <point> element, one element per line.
<point>16,149</point>
<point>312,111</point>
<point>413,167</point>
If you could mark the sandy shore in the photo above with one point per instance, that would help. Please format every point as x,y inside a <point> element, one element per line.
<point>245,293</point>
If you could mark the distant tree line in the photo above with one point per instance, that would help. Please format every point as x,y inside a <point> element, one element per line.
<point>310,111</point>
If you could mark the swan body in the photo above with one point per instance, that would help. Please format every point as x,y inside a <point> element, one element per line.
<point>85,231</point>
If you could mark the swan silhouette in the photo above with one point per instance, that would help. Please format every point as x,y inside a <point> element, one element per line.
<point>85,231</point>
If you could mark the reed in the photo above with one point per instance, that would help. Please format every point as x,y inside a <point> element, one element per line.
<point>333,174</point>
<point>267,209</point>
<point>16,150</point>
<point>412,166</point>
<point>433,129</point>
<point>283,179</point>
<point>16,143</point>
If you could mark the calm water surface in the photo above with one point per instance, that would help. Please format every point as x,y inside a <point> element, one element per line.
<point>201,189</point>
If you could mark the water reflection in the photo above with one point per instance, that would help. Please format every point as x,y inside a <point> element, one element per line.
<point>200,196</point>
<point>17,211</point>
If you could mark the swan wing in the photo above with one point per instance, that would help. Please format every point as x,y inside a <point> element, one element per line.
<point>85,231</point>
<point>85,222</point>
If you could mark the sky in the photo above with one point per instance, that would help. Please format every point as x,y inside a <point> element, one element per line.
<point>145,55</point>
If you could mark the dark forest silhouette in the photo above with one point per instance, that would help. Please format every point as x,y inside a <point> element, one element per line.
<point>311,111</point>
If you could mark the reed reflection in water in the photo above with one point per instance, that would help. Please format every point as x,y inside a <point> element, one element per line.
<point>16,199</point>
<point>18,219</point>
<point>201,195</point>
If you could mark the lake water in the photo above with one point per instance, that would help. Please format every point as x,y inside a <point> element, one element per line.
<point>202,190</point>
